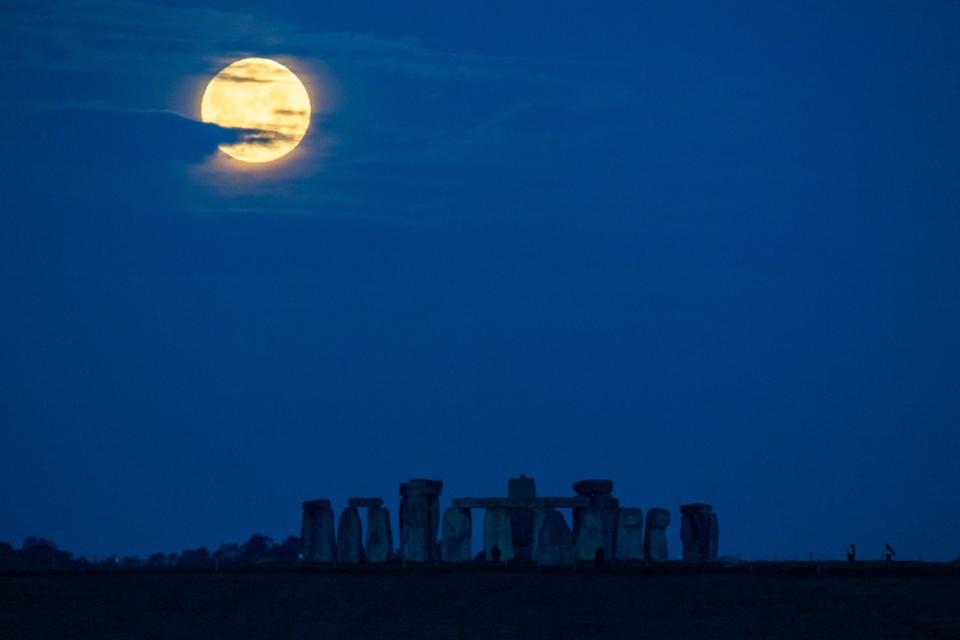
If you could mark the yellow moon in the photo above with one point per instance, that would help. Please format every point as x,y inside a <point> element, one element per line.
<point>266,100</point>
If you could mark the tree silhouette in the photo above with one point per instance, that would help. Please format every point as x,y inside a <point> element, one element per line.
<point>256,550</point>
<point>40,553</point>
<point>227,555</point>
<point>287,552</point>
<point>156,561</point>
<point>195,559</point>
<point>9,558</point>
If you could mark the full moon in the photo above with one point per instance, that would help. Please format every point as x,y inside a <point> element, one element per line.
<point>266,100</point>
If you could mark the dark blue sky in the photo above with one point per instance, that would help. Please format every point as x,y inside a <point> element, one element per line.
<point>706,250</point>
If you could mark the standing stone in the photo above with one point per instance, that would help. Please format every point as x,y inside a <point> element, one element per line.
<point>379,535</point>
<point>655,535</point>
<point>419,519</point>
<point>433,528</point>
<point>554,544</point>
<point>539,515</point>
<point>604,505</point>
<point>349,538</point>
<point>317,534</point>
<point>496,532</point>
<point>522,520</point>
<point>699,533</point>
<point>414,525</point>
<point>714,537</point>
<point>608,507</point>
<point>457,535</point>
<point>588,536</point>
<point>629,534</point>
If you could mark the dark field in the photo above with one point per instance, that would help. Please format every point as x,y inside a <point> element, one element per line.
<point>484,604</point>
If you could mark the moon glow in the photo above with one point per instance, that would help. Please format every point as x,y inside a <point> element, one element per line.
<point>264,99</point>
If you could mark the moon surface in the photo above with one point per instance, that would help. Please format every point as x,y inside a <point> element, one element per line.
<point>264,99</point>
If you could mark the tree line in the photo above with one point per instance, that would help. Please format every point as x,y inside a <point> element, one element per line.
<point>41,554</point>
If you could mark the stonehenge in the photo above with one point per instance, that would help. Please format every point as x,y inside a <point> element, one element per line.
<point>699,533</point>
<point>519,528</point>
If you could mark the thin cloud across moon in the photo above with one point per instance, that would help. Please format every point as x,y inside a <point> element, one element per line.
<point>266,100</point>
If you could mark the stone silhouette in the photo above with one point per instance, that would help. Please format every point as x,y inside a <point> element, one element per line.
<point>629,535</point>
<point>522,507</point>
<point>655,535</point>
<point>603,507</point>
<point>318,543</point>
<point>590,488</point>
<point>456,535</point>
<point>522,520</point>
<point>497,533</point>
<point>554,544</point>
<point>699,533</point>
<point>349,537</point>
<point>379,542</point>
<point>365,502</point>
<point>587,533</point>
<point>419,519</point>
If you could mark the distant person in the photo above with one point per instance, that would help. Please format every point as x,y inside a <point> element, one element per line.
<point>888,553</point>
<point>495,554</point>
<point>598,557</point>
<point>851,553</point>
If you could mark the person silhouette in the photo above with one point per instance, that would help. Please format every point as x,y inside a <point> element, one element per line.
<point>598,557</point>
<point>495,554</point>
<point>888,553</point>
<point>851,553</point>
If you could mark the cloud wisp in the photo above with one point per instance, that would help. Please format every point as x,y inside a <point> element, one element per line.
<point>397,145</point>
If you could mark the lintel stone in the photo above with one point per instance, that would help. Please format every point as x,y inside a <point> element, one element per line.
<point>522,503</point>
<point>365,502</point>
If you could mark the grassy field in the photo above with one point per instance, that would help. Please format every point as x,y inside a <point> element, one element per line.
<point>482,604</point>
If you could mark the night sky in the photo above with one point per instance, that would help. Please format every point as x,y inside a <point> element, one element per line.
<point>707,250</point>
